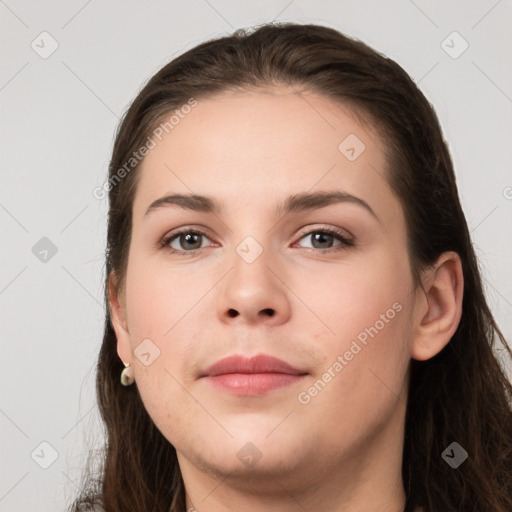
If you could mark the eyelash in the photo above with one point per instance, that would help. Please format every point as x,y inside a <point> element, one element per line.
<point>345,242</point>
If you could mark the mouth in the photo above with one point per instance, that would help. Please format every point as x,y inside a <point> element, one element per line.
<point>256,375</point>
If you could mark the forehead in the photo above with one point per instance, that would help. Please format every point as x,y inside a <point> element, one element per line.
<point>256,146</point>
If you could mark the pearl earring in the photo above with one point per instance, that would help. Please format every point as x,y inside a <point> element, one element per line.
<point>127,378</point>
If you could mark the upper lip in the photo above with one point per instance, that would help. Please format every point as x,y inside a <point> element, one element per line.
<point>261,363</point>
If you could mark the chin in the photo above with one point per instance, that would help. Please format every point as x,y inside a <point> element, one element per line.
<point>255,449</point>
<point>252,465</point>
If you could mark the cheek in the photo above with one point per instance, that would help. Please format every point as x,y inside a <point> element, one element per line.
<point>362,382</point>
<point>161,300</point>
<point>365,344</point>
<point>344,300</point>
<point>164,320</point>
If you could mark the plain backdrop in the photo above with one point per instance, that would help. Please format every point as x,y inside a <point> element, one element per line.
<point>69,71</point>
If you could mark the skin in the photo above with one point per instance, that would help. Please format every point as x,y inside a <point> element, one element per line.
<point>342,451</point>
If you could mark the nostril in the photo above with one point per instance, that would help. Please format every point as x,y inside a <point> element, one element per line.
<point>269,311</point>
<point>232,313</point>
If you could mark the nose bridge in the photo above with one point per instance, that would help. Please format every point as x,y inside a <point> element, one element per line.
<point>252,237</point>
<point>251,265</point>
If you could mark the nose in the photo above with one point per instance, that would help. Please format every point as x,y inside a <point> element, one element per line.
<point>253,293</point>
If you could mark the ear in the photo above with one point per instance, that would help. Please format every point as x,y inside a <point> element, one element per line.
<point>439,310</point>
<point>118,319</point>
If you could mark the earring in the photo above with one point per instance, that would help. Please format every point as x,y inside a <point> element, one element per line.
<point>127,377</point>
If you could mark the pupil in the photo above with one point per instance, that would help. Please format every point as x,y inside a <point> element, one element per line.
<point>189,236</point>
<point>322,236</point>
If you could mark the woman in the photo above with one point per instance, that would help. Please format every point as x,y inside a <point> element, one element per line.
<point>324,343</point>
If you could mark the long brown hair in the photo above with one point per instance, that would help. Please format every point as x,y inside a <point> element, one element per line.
<point>461,395</point>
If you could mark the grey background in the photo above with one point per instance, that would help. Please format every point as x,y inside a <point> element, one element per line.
<point>59,115</point>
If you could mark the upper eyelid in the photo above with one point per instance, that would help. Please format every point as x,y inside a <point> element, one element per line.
<point>302,231</point>
<point>308,230</point>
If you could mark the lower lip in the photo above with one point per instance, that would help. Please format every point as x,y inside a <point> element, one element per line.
<point>250,384</point>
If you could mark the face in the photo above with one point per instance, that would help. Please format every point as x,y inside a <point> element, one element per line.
<point>323,284</point>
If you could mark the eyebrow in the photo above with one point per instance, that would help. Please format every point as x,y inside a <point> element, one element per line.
<point>295,203</point>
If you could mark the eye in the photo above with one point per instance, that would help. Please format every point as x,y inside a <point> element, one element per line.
<point>187,241</point>
<point>323,239</point>
<point>190,241</point>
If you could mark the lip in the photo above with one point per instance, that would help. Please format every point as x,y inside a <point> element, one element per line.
<point>249,376</point>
